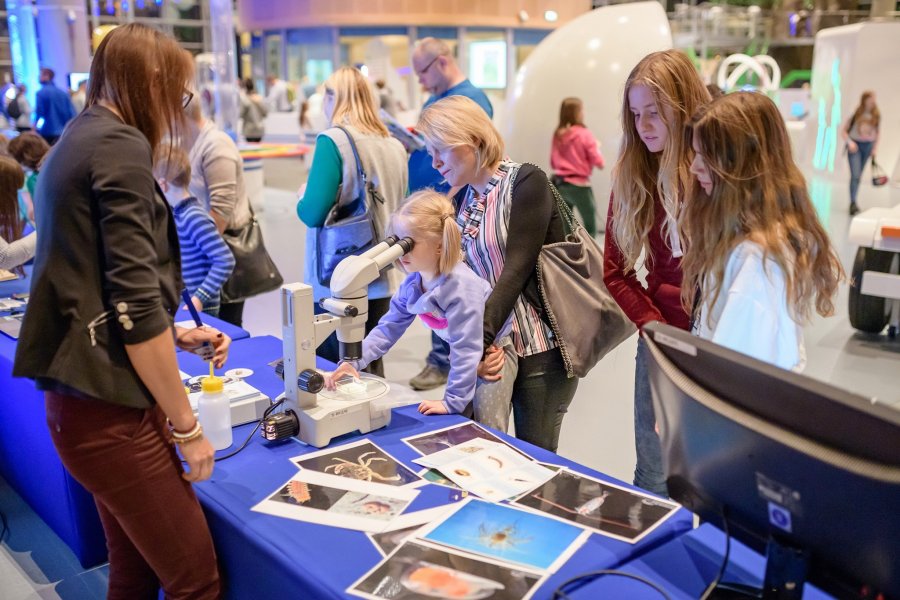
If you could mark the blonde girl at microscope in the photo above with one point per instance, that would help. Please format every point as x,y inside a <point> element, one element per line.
<point>445,294</point>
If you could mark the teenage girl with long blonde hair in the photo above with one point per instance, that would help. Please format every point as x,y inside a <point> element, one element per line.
<point>653,169</point>
<point>757,258</point>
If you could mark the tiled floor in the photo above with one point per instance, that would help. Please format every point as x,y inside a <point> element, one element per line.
<point>597,432</point>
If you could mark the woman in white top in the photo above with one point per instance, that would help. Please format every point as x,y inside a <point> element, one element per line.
<point>757,258</point>
<point>14,251</point>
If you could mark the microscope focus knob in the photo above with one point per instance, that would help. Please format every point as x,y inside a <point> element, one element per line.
<point>310,381</point>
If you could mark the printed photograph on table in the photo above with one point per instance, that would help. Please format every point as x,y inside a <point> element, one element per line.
<point>606,508</point>
<point>326,500</point>
<point>436,477</point>
<point>362,460</point>
<point>435,441</point>
<point>503,532</point>
<point>386,541</point>
<point>489,469</point>
<point>417,571</point>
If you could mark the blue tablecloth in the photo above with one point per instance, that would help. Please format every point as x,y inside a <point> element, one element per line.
<point>264,556</point>
<point>28,461</point>
<point>683,567</point>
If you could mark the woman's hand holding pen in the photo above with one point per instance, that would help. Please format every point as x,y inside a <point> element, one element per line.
<point>207,342</point>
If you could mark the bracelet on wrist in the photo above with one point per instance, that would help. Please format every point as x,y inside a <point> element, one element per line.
<point>198,435</point>
<point>182,434</point>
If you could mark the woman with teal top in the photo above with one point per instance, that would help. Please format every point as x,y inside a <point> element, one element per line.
<point>350,103</point>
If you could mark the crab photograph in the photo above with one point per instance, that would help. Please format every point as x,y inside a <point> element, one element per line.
<point>363,461</point>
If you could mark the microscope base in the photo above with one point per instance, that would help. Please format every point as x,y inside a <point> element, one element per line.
<point>333,418</point>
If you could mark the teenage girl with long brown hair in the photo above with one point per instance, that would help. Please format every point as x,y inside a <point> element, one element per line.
<point>757,258</point>
<point>653,169</point>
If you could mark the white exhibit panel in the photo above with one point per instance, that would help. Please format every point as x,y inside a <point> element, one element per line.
<point>847,61</point>
<point>590,58</point>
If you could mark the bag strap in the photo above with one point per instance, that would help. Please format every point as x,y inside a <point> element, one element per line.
<point>565,212</point>
<point>360,173</point>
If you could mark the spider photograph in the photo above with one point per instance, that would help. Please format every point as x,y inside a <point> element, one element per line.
<point>502,532</point>
<point>363,461</point>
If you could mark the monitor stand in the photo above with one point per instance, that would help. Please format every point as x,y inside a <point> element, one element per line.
<point>784,579</point>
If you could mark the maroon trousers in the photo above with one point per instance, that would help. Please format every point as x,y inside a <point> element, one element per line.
<point>155,529</point>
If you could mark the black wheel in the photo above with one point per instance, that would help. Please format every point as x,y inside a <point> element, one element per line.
<point>868,313</point>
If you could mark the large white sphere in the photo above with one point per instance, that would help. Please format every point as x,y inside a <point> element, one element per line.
<point>589,57</point>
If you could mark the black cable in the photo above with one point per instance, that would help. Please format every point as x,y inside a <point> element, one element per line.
<point>715,582</point>
<point>560,594</point>
<point>265,416</point>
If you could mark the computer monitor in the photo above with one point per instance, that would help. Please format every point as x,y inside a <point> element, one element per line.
<point>802,469</point>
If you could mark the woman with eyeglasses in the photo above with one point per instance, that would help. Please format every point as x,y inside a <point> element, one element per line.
<point>98,336</point>
<point>507,212</point>
<point>351,107</point>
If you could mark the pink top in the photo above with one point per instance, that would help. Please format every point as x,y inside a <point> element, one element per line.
<point>575,154</point>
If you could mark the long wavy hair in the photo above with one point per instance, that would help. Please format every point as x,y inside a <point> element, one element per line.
<point>876,114</point>
<point>758,194</point>
<point>639,174</point>
<point>11,179</point>
<point>355,102</point>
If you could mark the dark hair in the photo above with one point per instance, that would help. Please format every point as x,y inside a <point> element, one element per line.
<point>249,86</point>
<point>50,73</point>
<point>29,149</point>
<point>11,179</point>
<point>144,74</point>
<point>569,114</point>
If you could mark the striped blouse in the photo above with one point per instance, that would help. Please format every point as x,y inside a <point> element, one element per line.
<point>484,221</point>
<point>206,261</point>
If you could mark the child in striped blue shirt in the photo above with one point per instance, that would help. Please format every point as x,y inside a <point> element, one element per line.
<point>206,261</point>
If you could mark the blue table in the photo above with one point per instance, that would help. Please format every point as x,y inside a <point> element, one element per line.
<point>683,567</point>
<point>264,556</point>
<point>28,460</point>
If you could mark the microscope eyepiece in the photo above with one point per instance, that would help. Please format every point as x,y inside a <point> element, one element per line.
<point>407,244</point>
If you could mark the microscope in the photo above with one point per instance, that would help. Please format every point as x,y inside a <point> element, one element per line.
<point>311,414</point>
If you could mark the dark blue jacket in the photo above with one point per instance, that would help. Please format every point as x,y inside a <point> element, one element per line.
<point>55,107</point>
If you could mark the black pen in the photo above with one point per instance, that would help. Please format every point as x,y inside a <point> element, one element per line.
<point>196,315</point>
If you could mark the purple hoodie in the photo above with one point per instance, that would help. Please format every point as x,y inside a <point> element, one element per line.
<point>454,309</point>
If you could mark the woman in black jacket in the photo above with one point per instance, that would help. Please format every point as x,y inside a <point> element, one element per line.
<point>98,335</point>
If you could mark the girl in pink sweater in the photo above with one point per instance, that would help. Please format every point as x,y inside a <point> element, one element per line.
<point>574,155</point>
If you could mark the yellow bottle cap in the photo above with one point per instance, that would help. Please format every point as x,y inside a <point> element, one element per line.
<point>212,384</point>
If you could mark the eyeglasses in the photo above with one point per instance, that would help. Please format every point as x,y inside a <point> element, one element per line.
<point>186,98</point>
<point>428,66</point>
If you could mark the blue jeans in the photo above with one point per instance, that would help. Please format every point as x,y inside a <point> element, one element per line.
<point>648,473</point>
<point>439,356</point>
<point>858,162</point>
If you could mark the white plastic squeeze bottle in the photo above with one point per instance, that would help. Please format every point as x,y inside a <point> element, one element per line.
<point>215,411</point>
